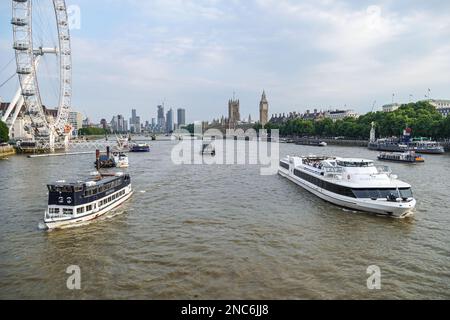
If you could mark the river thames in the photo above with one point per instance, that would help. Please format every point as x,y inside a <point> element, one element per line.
<point>222,232</point>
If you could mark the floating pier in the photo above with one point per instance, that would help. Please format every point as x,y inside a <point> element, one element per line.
<point>60,154</point>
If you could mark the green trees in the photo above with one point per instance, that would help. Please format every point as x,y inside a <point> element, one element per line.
<point>421,117</point>
<point>189,127</point>
<point>91,131</point>
<point>4,132</point>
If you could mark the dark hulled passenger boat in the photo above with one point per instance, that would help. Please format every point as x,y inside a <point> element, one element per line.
<point>72,203</point>
<point>140,147</point>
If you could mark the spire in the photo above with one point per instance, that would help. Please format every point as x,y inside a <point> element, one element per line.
<point>263,97</point>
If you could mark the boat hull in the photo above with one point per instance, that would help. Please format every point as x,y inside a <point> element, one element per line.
<point>400,161</point>
<point>122,165</point>
<point>390,148</point>
<point>311,143</point>
<point>380,207</point>
<point>430,151</point>
<point>52,224</point>
<point>398,148</point>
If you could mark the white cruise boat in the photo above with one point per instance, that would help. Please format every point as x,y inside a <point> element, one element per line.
<point>356,184</point>
<point>78,202</point>
<point>121,160</point>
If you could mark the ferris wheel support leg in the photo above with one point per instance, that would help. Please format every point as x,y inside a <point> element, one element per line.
<point>19,106</point>
<point>13,103</point>
<point>66,142</point>
<point>52,141</point>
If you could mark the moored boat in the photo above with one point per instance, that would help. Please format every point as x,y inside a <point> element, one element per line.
<point>74,203</point>
<point>389,144</point>
<point>355,184</point>
<point>427,146</point>
<point>405,143</point>
<point>309,142</point>
<point>104,161</point>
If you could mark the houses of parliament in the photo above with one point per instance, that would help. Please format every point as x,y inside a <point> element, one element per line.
<point>234,120</point>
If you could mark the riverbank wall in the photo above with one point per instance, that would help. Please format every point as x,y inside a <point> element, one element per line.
<point>329,141</point>
<point>349,143</point>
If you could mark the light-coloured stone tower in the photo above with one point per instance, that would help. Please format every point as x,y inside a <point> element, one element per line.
<point>234,115</point>
<point>263,110</point>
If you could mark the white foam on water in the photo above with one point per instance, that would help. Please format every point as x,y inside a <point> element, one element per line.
<point>42,226</point>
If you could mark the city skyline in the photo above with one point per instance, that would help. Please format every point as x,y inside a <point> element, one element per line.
<point>305,54</point>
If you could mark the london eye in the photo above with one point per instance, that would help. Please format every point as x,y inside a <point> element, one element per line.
<point>41,42</point>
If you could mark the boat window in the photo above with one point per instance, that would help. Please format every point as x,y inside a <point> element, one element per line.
<point>355,164</point>
<point>68,211</point>
<point>61,189</point>
<point>384,193</point>
<point>342,190</point>
<point>88,208</point>
<point>406,193</point>
<point>54,210</point>
<point>361,193</point>
<point>284,165</point>
<point>374,193</point>
<point>80,210</point>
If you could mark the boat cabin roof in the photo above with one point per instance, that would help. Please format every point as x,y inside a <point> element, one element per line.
<point>93,181</point>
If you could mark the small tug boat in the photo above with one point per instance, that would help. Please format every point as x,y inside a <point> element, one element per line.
<point>409,157</point>
<point>140,147</point>
<point>104,161</point>
<point>72,203</point>
<point>356,184</point>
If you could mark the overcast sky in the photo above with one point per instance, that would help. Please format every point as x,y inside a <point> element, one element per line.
<point>305,54</point>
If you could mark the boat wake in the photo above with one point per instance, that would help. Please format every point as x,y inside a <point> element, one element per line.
<point>349,210</point>
<point>42,226</point>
